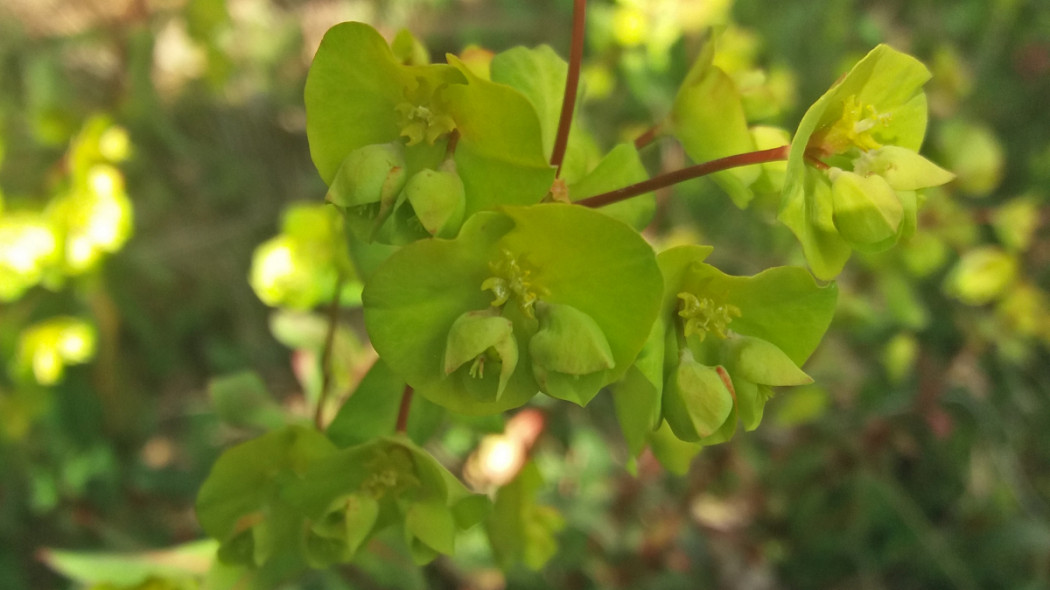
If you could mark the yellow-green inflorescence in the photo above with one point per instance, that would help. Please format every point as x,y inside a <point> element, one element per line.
<point>702,316</point>
<point>392,471</point>
<point>512,279</point>
<point>421,115</point>
<point>854,128</point>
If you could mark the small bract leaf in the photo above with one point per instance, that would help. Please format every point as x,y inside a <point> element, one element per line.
<point>431,522</point>
<point>696,400</point>
<point>472,335</point>
<point>569,341</point>
<point>761,362</point>
<point>438,199</point>
<point>708,118</point>
<point>903,169</point>
<point>867,210</point>
<point>366,186</point>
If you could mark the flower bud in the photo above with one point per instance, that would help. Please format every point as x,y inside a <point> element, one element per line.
<point>867,211</point>
<point>472,336</point>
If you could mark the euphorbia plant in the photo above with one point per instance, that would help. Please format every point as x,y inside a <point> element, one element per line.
<point>519,270</point>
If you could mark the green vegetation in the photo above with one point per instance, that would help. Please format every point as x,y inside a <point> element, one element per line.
<point>293,302</point>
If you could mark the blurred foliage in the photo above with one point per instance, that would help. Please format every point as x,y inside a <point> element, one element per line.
<point>151,150</point>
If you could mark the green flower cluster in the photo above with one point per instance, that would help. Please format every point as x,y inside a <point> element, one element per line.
<point>854,169</point>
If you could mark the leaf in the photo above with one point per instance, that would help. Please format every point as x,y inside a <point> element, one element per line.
<point>708,118</point>
<point>518,529</point>
<point>500,164</point>
<point>243,400</point>
<point>371,411</point>
<point>130,569</point>
<point>619,168</point>
<point>538,73</point>
<point>246,477</point>
<point>432,523</point>
<point>637,395</point>
<point>673,453</point>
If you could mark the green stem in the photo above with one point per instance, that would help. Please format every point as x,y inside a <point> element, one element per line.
<point>665,180</point>
<point>326,354</point>
<point>572,83</point>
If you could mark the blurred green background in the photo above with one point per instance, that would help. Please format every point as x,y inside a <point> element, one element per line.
<point>149,150</point>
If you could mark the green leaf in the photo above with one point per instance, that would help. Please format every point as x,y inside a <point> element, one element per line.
<point>619,168</point>
<point>431,522</point>
<point>637,395</point>
<point>518,529</point>
<point>371,411</point>
<point>246,477</point>
<point>903,169</point>
<point>708,118</point>
<point>867,211</point>
<point>761,362</point>
<point>696,402</point>
<point>673,453</point>
<point>130,569</point>
<point>502,164</point>
<point>571,344</point>
<point>243,400</point>
<point>538,73</point>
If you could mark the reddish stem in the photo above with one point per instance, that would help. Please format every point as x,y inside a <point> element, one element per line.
<point>663,180</point>
<point>647,137</point>
<point>572,83</point>
<point>402,413</point>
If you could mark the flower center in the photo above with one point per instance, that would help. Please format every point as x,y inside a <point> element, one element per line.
<point>420,115</point>
<point>854,128</point>
<point>511,280</point>
<point>702,316</point>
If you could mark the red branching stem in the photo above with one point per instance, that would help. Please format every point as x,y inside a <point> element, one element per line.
<point>572,82</point>
<point>402,413</point>
<point>646,138</point>
<point>664,180</point>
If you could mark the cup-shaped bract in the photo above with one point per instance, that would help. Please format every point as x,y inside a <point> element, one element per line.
<point>569,353</point>
<point>720,332</point>
<point>513,261</point>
